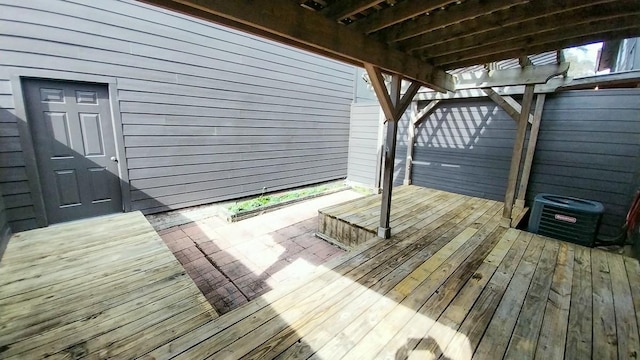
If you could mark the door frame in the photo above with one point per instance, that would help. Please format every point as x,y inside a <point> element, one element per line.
<point>17,76</point>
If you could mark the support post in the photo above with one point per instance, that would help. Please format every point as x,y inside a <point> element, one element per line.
<point>393,107</point>
<point>516,156</point>
<point>417,117</point>
<point>531,149</point>
<point>411,137</point>
<point>384,230</point>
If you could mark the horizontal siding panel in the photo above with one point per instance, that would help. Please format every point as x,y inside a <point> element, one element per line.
<point>284,120</point>
<point>22,225</point>
<point>250,182</point>
<point>11,159</point>
<point>593,136</point>
<point>19,200</point>
<point>240,92</point>
<point>233,91</point>
<point>5,87</point>
<point>7,115</point>
<point>267,172</point>
<point>142,152</point>
<point>162,109</point>
<point>15,187</point>
<point>624,150</point>
<point>231,166</point>
<point>6,101</point>
<point>151,162</point>
<point>595,161</point>
<point>234,189</point>
<point>206,106</point>
<point>225,140</point>
<point>20,213</point>
<point>216,193</point>
<point>10,144</point>
<point>14,174</point>
<point>220,131</point>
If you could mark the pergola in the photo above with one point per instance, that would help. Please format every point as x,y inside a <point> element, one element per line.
<point>420,40</point>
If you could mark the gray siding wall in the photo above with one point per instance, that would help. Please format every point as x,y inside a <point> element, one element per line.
<point>5,231</point>
<point>363,148</point>
<point>465,147</point>
<point>589,147</point>
<point>208,113</point>
<point>363,143</point>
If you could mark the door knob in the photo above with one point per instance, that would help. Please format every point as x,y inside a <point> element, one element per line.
<point>114,159</point>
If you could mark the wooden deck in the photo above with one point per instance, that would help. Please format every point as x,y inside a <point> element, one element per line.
<point>106,287</point>
<point>355,222</point>
<point>450,283</point>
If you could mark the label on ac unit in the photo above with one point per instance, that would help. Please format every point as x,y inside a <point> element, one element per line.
<point>566,218</point>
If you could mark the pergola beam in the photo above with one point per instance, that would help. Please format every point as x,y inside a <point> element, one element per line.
<point>311,31</point>
<point>601,31</point>
<point>465,11</point>
<point>396,14</point>
<point>511,77</point>
<point>523,19</point>
<point>346,8</point>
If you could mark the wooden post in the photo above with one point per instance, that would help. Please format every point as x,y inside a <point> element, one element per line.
<point>516,156</point>
<point>393,107</point>
<point>416,119</point>
<point>384,230</point>
<point>411,136</point>
<point>531,149</point>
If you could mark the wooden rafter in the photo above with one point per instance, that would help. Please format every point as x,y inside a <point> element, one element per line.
<point>531,28</point>
<point>396,14</point>
<point>531,11</point>
<point>627,26</point>
<point>345,8</point>
<point>309,30</point>
<point>459,13</point>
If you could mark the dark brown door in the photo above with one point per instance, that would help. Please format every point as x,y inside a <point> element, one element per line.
<point>73,138</point>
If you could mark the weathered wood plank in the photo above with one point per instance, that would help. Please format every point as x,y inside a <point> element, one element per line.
<point>579,336</point>
<point>498,311</point>
<point>633,274</point>
<point>626,321</point>
<point>553,333</point>
<point>604,317</point>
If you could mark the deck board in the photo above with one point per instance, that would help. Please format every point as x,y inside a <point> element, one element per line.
<point>451,283</point>
<point>93,288</point>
